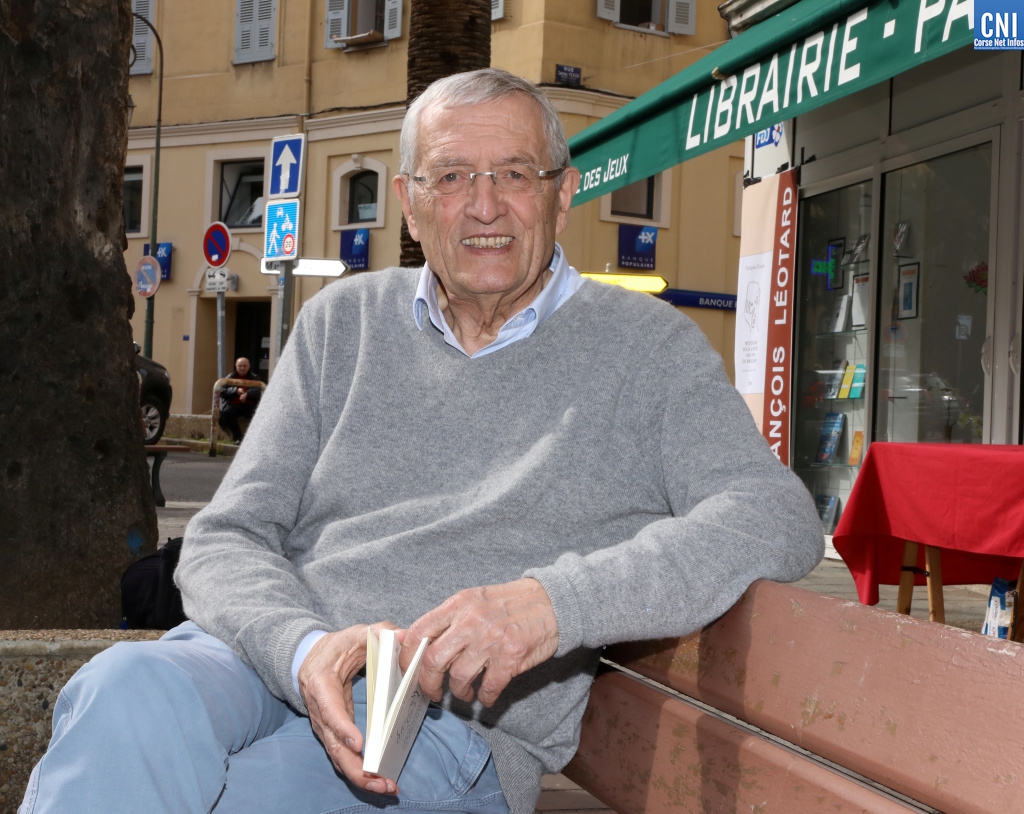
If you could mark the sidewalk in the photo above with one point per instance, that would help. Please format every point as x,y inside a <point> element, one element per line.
<point>965,608</point>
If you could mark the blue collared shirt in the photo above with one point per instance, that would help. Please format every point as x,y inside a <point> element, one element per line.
<point>565,281</point>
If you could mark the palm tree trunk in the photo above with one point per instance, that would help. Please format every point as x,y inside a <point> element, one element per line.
<point>75,502</point>
<point>444,38</point>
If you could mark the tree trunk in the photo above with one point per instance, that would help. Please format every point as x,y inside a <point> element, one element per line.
<point>444,38</point>
<point>75,502</point>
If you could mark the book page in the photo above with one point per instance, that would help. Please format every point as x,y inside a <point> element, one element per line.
<point>387,676</point>
<point>404,719</point>
<point>372,648</point>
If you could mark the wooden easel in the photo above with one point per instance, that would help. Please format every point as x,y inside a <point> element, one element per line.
<point>933,575</point>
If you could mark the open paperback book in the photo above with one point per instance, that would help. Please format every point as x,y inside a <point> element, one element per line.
<point>395,705</point>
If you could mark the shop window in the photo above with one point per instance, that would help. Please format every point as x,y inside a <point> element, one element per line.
<point>645,202</point>
<point>255,30</point>
<point>132,200</point>
<point>671,16</point>
<point>362,22</point>
<point>142,38</point>
<point>358,193</point>
<point>241,194</point>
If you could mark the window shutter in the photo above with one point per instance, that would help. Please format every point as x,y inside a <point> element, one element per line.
<point>266,27</point>
<point>608,10</point>
<point>682,17</point>
<point>337,22</point>
<point>392,19</point>
<point>142,37</point>
<point>256,30</point>
<point>245,19</point>
<point>497,9</point>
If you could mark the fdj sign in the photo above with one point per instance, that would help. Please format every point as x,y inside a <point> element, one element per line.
<point>997,26</point>
<point>770,135</point>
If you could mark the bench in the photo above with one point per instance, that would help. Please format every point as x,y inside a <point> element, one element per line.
<point>796,702</point>
<point>158,452</point>
<point>791,703</point>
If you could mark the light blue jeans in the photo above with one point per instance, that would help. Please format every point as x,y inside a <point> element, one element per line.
<point>182,725</point>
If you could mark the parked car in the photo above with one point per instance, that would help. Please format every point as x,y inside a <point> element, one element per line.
<point>154,396</point>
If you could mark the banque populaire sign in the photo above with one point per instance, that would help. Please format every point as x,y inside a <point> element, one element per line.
<point>806,56</point>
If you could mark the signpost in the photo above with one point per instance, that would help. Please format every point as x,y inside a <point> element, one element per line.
<point>217,250</point>
<point>281,239</point>
<point>147,276</point>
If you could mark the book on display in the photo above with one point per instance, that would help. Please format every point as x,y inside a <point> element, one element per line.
<point>844,387</point>
<point>831,432</point>
<point>856,448</point>
<point>860,373</point>
<point>833,378</point>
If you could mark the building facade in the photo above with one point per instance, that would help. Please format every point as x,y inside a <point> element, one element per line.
<point>238,73</point>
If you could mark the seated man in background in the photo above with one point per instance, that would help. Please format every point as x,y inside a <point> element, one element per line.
<point>239,402</point>
<point>489,452</point>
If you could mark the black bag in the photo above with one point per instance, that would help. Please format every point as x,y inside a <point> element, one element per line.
<point>149,598</point>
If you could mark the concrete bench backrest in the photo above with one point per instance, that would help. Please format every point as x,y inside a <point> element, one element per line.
<point>932,712</point>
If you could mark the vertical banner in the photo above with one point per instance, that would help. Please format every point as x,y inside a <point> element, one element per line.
<point>764,324</point>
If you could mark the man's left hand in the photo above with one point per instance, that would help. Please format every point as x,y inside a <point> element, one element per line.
<point>497,631</point>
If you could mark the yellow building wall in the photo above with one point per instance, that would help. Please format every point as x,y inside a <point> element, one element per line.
<point>354,98</point>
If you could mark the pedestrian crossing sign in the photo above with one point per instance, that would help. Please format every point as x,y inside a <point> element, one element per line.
<point>281,230</point>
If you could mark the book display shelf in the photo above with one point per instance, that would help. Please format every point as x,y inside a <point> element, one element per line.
<point>832,368</point>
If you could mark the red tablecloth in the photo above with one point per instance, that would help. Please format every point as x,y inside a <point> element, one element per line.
<point>967,499</point>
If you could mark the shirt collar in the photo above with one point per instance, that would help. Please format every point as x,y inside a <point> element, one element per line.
<point>542,306</point>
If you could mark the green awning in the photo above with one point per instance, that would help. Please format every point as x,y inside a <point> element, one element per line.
<point>806,56</point>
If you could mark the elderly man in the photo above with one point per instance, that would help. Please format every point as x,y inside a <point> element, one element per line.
<point>488,452</point>
<point>238,402</point>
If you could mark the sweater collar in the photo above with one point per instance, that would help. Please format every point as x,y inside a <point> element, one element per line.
<point>565,281</point>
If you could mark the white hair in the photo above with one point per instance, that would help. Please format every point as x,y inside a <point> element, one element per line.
<point>475,88</point>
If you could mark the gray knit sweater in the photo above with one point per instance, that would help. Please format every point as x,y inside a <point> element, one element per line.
<point>606,455</point>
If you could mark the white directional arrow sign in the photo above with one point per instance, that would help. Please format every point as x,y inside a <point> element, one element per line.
<point>287,166</point>
<point>284,164</point>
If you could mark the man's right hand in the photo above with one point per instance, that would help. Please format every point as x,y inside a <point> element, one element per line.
<point>325,683</point>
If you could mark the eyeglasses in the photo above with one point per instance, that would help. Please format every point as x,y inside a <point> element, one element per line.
<point>515,179</point>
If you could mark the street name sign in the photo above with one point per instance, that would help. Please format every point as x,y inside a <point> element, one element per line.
<point>147,276</point>
<point>217,244</point>
<point>287,166</point>
<point>281,225</point>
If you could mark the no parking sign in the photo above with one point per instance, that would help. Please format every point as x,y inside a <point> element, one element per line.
<point>217,244</point>
<point>147,276</point>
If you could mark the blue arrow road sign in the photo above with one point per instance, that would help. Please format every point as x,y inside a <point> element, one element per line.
<point>287,166</point>
<point>281,236</point>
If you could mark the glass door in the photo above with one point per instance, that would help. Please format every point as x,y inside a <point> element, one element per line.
<point>833,287</point>
<point>933,300</point>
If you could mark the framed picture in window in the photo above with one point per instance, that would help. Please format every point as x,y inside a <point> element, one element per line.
<point>907,291</point>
